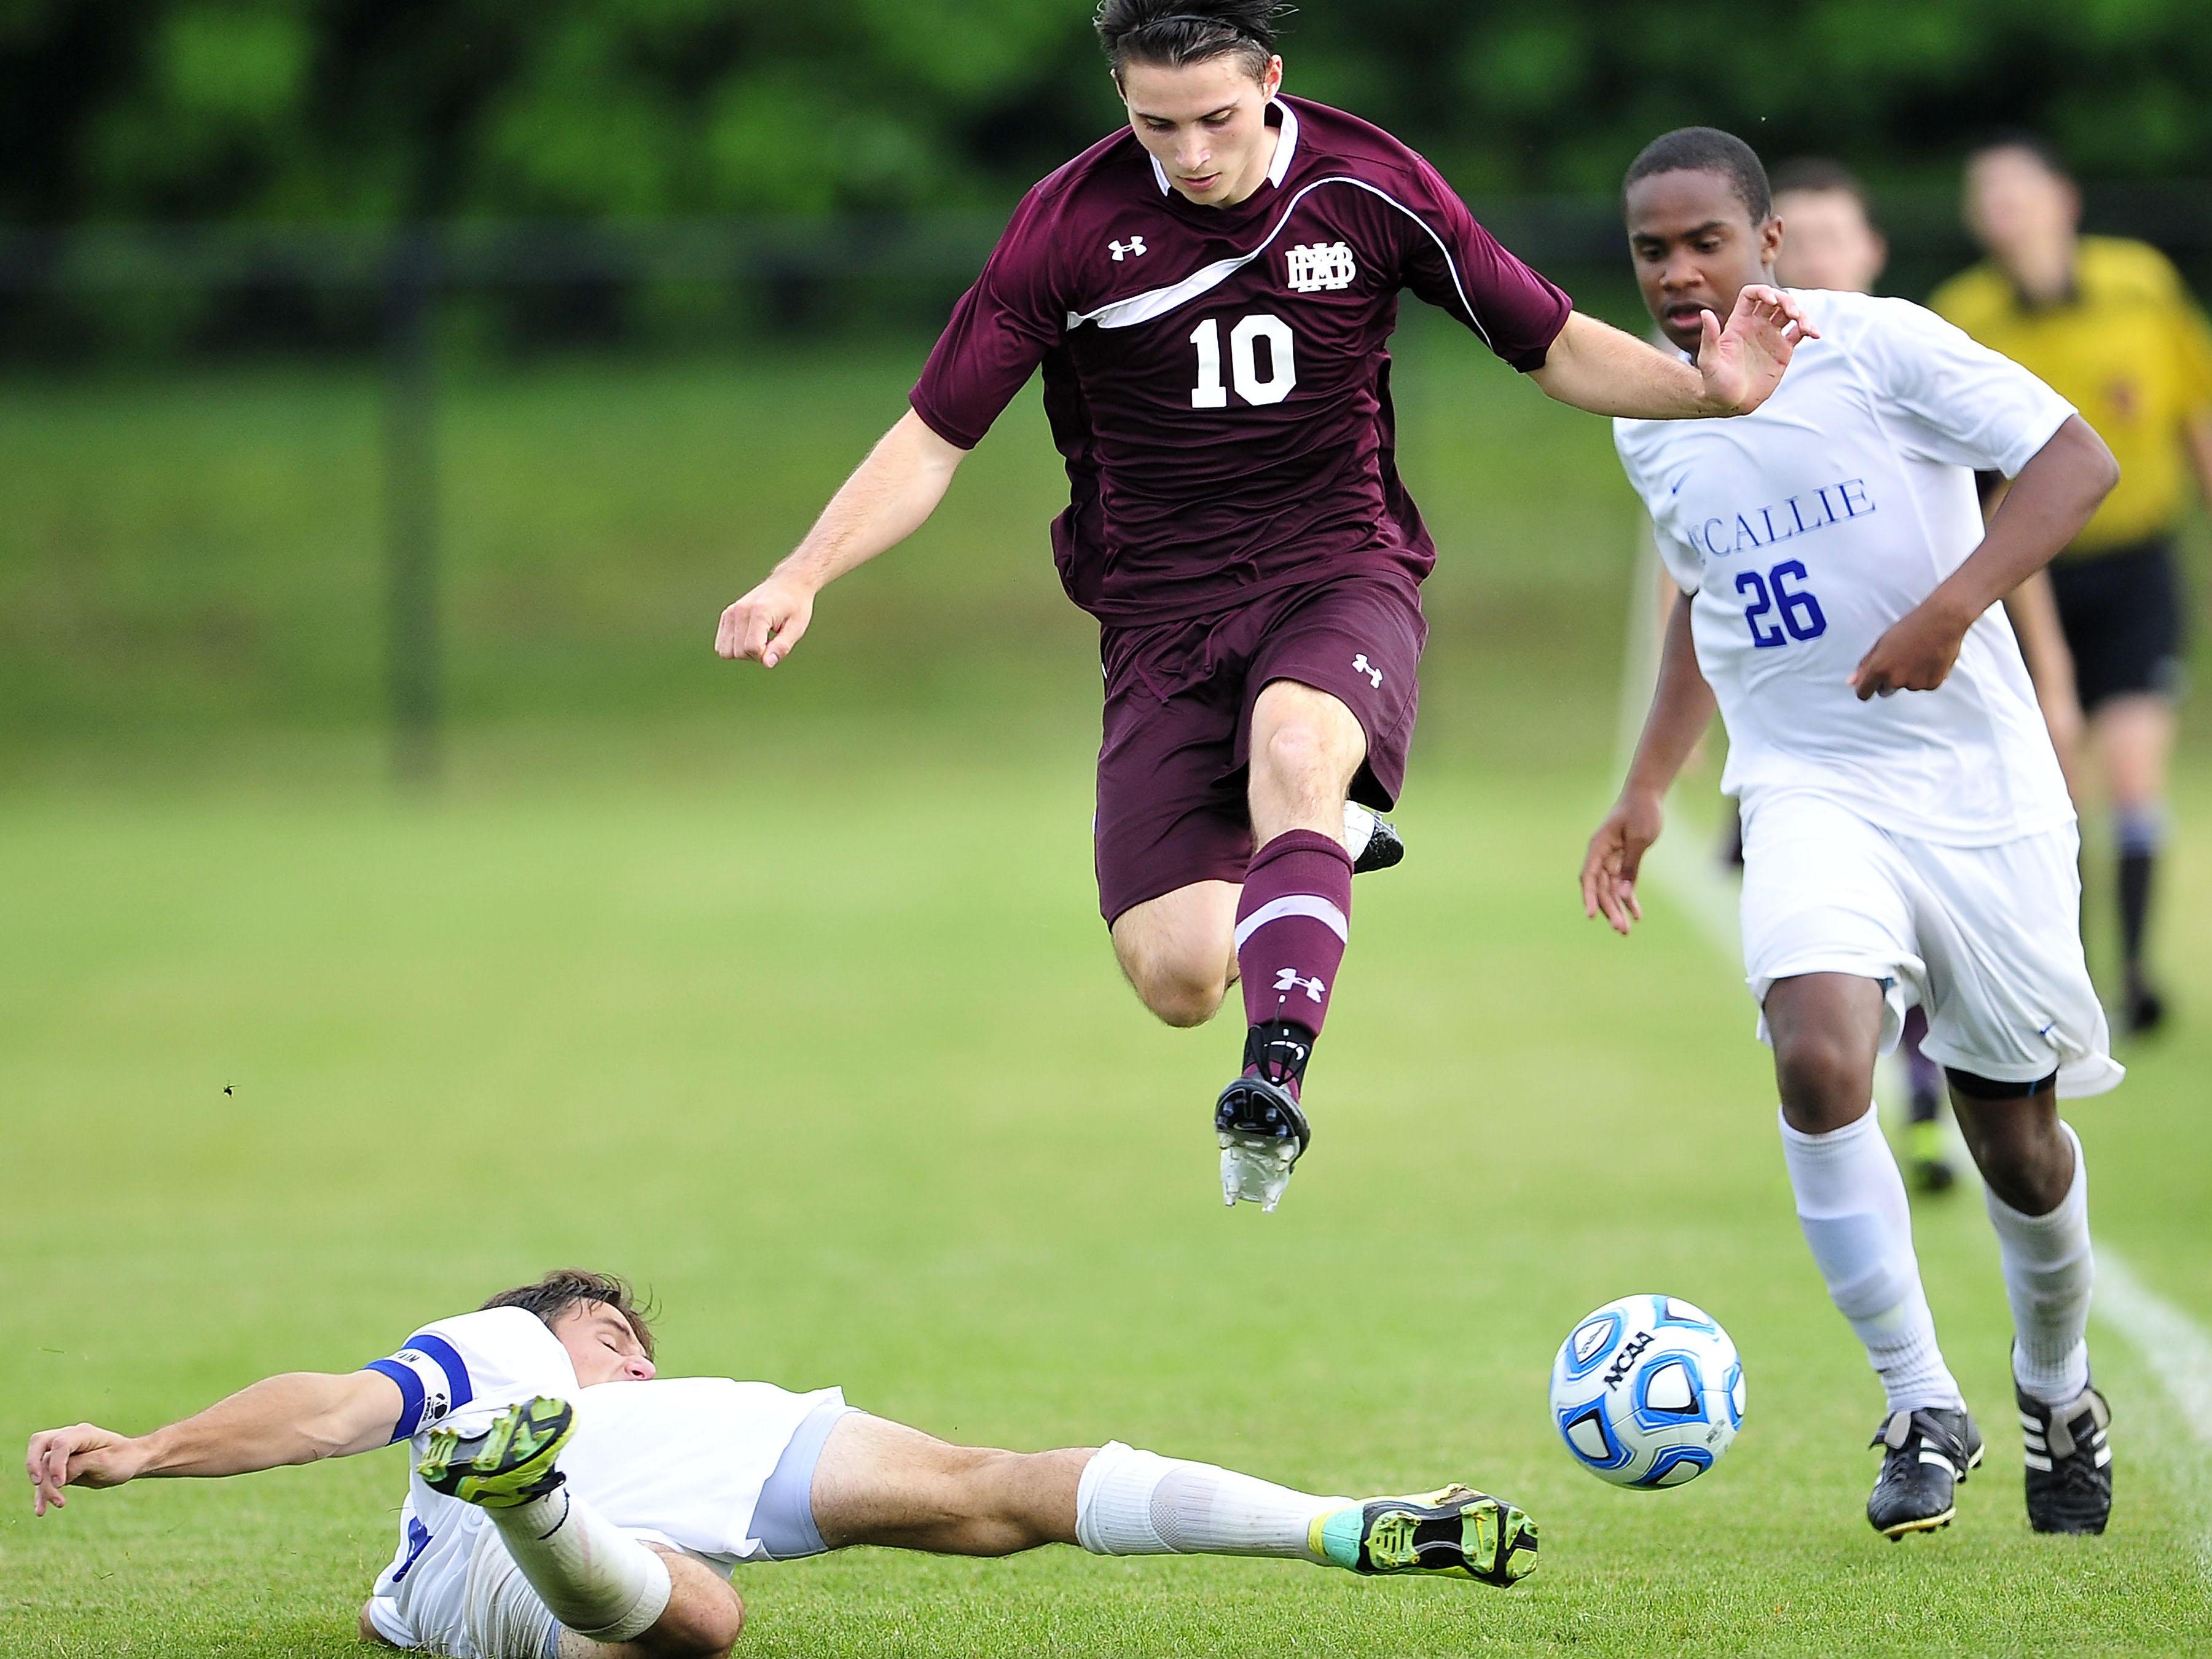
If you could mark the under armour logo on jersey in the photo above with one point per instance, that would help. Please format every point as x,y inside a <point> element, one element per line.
<point>1360,664</point>
<point>1121,251</point>
<point>1319,266</point>
<point>1288,980</point>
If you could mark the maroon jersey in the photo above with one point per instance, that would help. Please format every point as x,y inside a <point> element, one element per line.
<point>1217,378</point>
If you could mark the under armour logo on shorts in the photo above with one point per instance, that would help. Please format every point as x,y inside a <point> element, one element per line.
<point>1360,664</point>
<point>1288,980</point>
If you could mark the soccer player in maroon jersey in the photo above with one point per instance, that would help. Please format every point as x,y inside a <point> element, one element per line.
<point>1209,292</point>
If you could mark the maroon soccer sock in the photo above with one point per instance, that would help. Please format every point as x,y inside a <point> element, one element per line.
<point>1292,921</point>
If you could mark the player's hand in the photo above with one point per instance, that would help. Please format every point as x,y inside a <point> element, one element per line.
<point>1615,855</point>
<point>767,622</point>
<point>85,1455</point>
<point>1916,654</point>
<point>1742,363</point>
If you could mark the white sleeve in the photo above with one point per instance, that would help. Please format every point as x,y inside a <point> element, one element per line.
<point>492,1358</point>
<point>1969,406</point>
<point>1683,566</point>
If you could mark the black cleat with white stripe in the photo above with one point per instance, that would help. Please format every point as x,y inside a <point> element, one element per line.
<point>2069,1462</point>
<point>1371,839</point>
<point>1929,1454</point>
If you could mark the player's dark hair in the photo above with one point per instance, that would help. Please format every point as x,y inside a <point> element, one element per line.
<point>1173,33</point>
<point>564,1287</point>
<point>1816,175</point>
<point>1708,150</point>
<point>2032,144</point>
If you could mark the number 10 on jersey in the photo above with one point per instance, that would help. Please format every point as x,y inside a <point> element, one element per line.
<point>1243,361</point>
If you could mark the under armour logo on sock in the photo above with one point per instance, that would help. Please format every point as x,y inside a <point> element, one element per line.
<point>1288,980</point>
<point>1362,665</point>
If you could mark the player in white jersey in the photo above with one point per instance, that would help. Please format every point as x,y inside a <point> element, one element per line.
<point>1830,242</point>
<point>1907,834</point>
<point>565,1503</point>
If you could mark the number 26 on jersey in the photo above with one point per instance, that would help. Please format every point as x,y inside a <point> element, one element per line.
<point>1771,598</point>
<point>1245,340</point>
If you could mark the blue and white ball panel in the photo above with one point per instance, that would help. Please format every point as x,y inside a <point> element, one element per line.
<point>1592,1343</point>
<point>1591,1437</point>
<point>1671,1311</point>
<point>1676,1466</point>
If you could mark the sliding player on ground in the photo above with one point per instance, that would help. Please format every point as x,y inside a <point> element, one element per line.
<point>1829,240</point>
<point>2111,325</point>
<point>565,1505</point>
<point>1907,834</point>
<point>1210,294</point>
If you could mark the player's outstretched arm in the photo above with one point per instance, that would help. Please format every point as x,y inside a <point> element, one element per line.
<point>2045,508</point>
<point>1593,366</point>
<point>298,1418</point>
<point>887,499</point>
<point>1681,707</point>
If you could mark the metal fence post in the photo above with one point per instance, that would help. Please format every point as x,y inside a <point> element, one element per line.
<point>412,667</point>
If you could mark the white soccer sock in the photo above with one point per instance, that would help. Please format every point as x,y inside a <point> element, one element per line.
<point>504,1618</point>
<point>1136,1502</point>
<point>595,1578</point>
<point>2048,1270</point>
<point>1852,1204</point>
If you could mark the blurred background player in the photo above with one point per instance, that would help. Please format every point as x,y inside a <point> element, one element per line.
<point>1210,294</point>
<point>566,1503</point>
<point>1830,241</point>
<point>2108,325</point>
<point>1907,832</point>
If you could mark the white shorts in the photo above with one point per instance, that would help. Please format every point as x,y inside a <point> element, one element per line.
<point>1987,939</point>
<point>682,1461</point>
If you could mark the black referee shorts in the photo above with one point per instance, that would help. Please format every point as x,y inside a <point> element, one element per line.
<point>2123,616</point>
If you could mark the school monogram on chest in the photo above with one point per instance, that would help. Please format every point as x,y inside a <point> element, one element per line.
<point>1320,267</point>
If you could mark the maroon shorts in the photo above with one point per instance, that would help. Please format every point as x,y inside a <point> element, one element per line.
<point>1178,720</point>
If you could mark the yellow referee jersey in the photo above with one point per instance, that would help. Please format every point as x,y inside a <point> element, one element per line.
<point>2129,349</point>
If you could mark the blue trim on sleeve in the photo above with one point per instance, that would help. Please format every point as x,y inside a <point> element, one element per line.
<point>411,1397</point>
<point>449,1361</point>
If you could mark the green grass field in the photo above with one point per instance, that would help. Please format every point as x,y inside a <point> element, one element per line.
<point>788,998</point>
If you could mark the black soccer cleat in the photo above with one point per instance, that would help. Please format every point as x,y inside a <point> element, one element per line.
<point>1456,1533</point>
<point>2069,1462</point>
<point>2146,1008</point>
<point>1263,1132</point>
<point>1929,1452</point>
<point>1928,1159</point>
<point>1378,839</point>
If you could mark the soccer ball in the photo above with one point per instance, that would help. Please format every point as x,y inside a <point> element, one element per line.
<point>1646,1392</point>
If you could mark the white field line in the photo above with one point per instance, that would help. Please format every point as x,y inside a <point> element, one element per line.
<point>2178,1349</point>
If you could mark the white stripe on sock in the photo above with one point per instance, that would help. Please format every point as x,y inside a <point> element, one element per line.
<point>1295,904</point>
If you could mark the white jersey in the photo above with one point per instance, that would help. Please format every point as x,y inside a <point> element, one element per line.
<point>1803,531</point>
<point>466,1369</point>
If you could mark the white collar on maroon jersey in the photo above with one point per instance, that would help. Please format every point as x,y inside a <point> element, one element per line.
<point>1286,144</point>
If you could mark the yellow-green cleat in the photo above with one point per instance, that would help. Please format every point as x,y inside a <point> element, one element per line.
<point>1458,1531</point>
<point>509,1463</point>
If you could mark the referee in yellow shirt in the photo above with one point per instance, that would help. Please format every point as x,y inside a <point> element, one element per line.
<point>2109,324</point>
